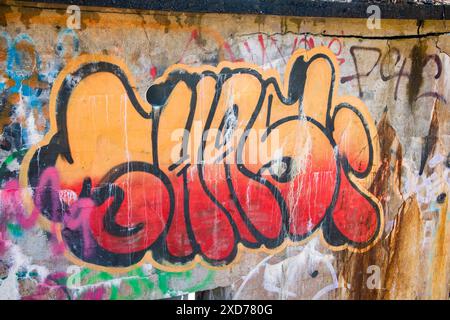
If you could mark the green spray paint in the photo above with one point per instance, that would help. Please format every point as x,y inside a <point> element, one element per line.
<point>16,155</point>
<point>164,279</point>
<point>138,281</point>
<point>14,230</point>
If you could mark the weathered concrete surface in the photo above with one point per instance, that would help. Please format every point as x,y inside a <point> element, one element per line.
<point>399,73</point>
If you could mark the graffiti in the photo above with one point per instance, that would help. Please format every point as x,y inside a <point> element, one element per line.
<point>10,165</point>
<point>21,87</point>
<point>384,60</point>
<point>281,279</point>
<point>274,50</point>
<point>153,155</point>
<point>52,286</point>
<point>24,87</point>
<point>83,283</point>
<point>15,220</point>
<point>431,188</point>
<point>114,152</point>
<point>195,40</point>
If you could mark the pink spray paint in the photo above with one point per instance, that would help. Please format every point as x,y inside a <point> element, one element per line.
<point>78,217</point>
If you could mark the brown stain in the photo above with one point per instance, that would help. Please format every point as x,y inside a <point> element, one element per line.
<point>418,57</point>
<point>196,20</point>
<point>430,141</point>
<point>440,278</point>
<point>114,21</point>
<point>178,20</point>
<point>6,109</point>
<point>27,14</point>
<point>404,272</point>
<point>4,10</point>
<point>354,266</point>
<point>135,56</point>
<point>5,105</point>
<point>192,19</point>
<point>35,83</point>
<point>163,19</point>
<point>13,98</point>
<point>5,116</point>
<point>89,18</point>
<point>3,53</point>
<point>283,25</point>
<point>399,255</point>
<point>388,142</point>
<point>298,22</point>
<point>260,19</point>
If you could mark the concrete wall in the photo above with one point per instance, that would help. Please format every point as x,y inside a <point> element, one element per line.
<point>324,171</point>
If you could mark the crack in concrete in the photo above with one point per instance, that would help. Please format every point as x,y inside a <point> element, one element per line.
<point>436,43</point>
<point>321,34</point>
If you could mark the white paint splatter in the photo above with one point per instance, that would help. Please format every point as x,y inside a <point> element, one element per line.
<point>9,287</point>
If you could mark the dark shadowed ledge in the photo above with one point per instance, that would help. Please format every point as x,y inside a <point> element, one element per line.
<point>402,9</point>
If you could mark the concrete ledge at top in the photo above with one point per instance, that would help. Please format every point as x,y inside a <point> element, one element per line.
<point>407,9</point>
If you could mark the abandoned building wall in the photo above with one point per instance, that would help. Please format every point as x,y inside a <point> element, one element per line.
<point>323,172</point>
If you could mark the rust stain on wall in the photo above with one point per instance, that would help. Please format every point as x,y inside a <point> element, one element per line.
<point>404,273</point>
<point>439,270</point>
